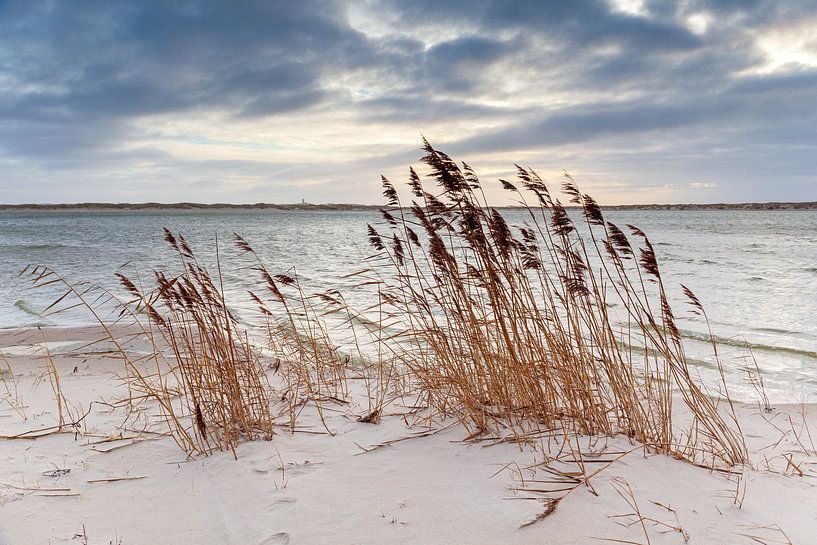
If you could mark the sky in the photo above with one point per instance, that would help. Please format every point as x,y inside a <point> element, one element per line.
<point>641,101</point>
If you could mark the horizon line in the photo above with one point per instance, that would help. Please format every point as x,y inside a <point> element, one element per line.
<point>187,205</point>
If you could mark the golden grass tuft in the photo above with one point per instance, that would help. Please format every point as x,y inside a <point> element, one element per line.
<point>201,370</point>
<point>557,324</point>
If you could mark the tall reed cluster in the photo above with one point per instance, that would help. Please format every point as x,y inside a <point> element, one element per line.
<point>557,324</point>
<point>201,369</point>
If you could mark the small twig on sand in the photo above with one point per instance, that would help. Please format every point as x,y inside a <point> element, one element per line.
<point>116,479</point>
<point>550,506</point>
<point>58,495</point>
<point>50,430</point>
<point>398,440</point>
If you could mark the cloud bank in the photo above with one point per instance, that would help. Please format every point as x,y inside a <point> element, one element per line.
<point>642,101</point>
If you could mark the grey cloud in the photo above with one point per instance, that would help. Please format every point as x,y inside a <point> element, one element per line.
<point>584,22</point>
<point>278,101</point>
<point>100,58</point>
<point>424,108</point>
<point>40,139</point>
<point>467,49</point>
<point>458,65</point>
<point>207,184</point>
<point>752,112</point>
<point>591,122</point>
<point>803,81</point>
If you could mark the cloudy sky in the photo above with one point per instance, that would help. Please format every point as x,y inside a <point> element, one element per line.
<point>248,101</point>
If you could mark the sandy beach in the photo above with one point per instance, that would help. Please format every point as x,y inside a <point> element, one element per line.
<point>399,481</point>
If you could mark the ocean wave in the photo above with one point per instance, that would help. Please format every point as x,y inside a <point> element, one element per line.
<point>18,325</point>
<point>741,343</point>
<point>774,330</point>
<point>698,362</point>
<point>35,246</point>
<point>22,305</point>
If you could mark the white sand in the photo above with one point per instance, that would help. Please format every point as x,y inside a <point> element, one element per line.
<point>427,490</point>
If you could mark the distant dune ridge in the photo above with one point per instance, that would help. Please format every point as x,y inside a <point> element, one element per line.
<point>346,207</point>
<point>147,206</point>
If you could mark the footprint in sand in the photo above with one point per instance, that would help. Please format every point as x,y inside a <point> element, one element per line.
<point>259,467</point>
<point>278,504</point>
<point>279,538</point>
<point>301,468</point>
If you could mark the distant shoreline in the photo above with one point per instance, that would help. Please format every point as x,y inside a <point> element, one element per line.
<point>202,207</point>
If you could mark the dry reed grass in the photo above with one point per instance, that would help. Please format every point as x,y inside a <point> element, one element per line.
<point>298,338</point>
<point>10,384</point>
<point>53,376</point>
<point>316,358</point>
<point>202,370</point>
<point>636,517</point>
<point>546,326</point>
<point>557,327</point>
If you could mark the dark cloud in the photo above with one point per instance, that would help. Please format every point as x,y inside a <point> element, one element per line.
<point>583,22</point>
<point>408,107</point>
<point>590,122</point>
<point>457,65</point>
<point>760,118</point>
<point>124,60</point>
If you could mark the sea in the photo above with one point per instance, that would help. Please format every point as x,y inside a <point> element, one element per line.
<point>755,271</point>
